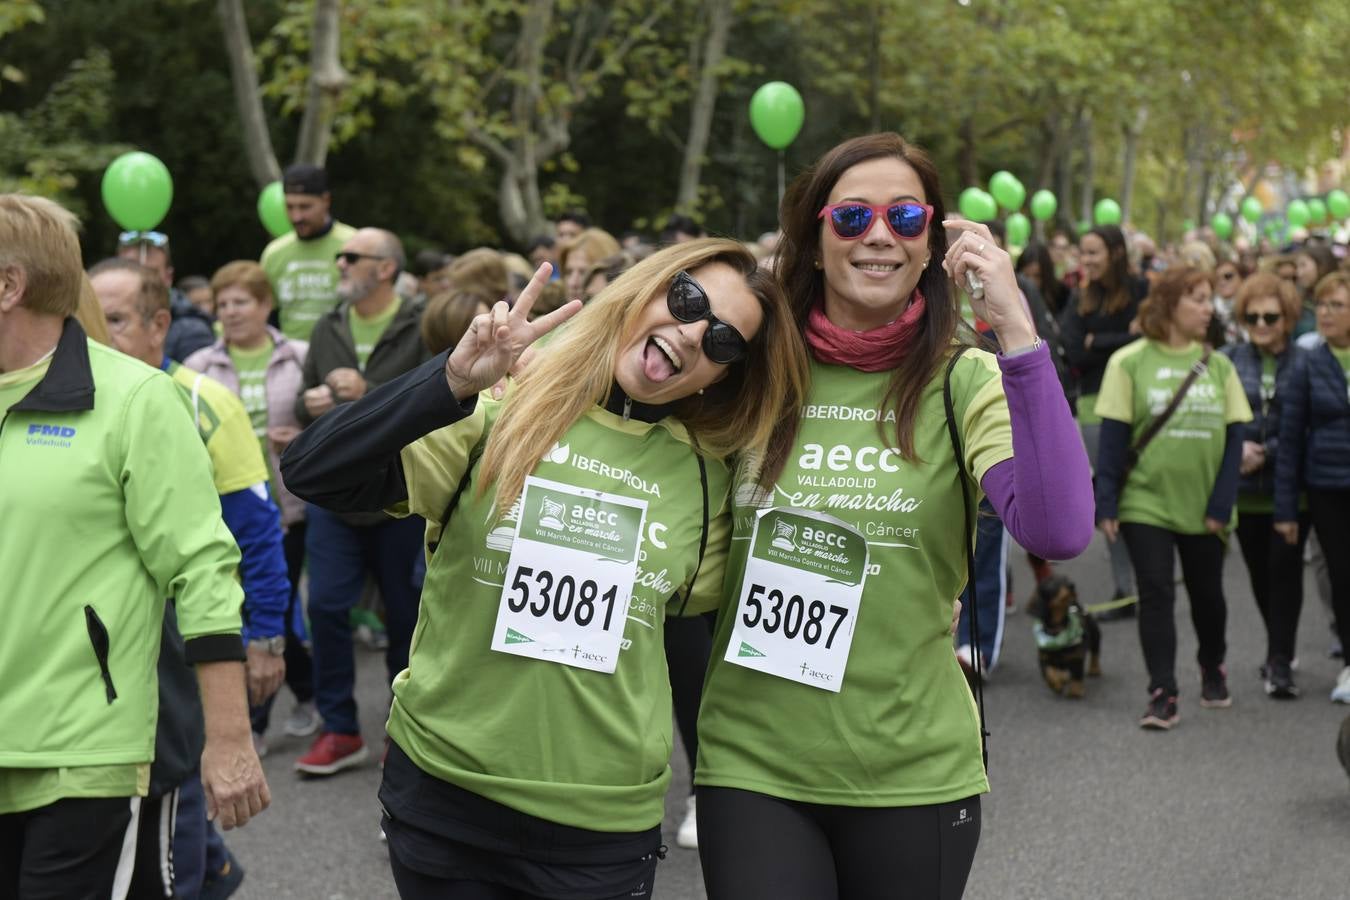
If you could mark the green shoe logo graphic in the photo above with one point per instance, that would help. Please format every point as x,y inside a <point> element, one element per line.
<point>515,637</point>
<point>747,650</point>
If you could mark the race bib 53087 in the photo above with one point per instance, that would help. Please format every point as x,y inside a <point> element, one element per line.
<point>800,597</point>
<point>570,576</point>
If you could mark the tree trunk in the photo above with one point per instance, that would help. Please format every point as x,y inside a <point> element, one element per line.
<point>1089,168</point>
<point>511,205</point>
<point>704,105</point>
<point>965,155</point>
<point>262,159</point>
<point>874,68</point>
<point>1132,133</point>
<point>327,79</point>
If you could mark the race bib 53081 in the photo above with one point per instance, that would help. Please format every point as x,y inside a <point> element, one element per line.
<point>570,576</point>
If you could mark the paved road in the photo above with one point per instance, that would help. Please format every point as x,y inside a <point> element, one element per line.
<point>1242,803</point>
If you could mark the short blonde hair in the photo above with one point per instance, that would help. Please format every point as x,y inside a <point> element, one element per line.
<point>39,236</point>
<point>596,243</point>
<point>246,274</point>
<point>1328,284</point>
<point>1265,284</point>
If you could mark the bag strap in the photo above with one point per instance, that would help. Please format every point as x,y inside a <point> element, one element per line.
<point>1157,424</point>
<point>475,453</point>
<point>967,538</point>
<point>702,538</point>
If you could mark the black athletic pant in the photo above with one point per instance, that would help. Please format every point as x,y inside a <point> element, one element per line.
<point>1330,512</point>
<point>1276,572</point>
<point>299,666</point>
<point>757,847</point>
<point>413,885</point>
<point>74,849</point>
<point>688,648</point>
<point>1151,552</point>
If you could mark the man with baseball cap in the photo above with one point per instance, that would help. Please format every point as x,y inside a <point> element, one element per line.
<point>300,263</point>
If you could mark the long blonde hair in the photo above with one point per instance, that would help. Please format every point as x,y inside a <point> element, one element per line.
<point>754,407</point>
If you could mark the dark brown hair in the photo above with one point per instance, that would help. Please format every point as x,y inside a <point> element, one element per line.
<point>1111,294</point>
<point>447,316</point>
<point>804,284</point>
<point>1155,313</point>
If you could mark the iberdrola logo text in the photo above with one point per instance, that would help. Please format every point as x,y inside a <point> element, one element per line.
<point>562,454</point>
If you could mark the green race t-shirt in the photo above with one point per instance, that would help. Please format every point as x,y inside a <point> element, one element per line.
<point>222,423</point>
<point>366,333</point>
<point>903,729</point>
<point>1170,485</point>
<point>1343,357</point>
<point>304,277</point>
<point>1262,503</point>
<point>579,747</point>
<point>251,367</point>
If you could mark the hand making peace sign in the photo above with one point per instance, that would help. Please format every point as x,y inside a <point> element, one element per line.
<point>496,339</point>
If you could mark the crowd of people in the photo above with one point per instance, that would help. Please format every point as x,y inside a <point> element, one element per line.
<point>615,486</point>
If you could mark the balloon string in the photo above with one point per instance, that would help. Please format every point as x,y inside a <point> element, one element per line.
<point>781,168</point>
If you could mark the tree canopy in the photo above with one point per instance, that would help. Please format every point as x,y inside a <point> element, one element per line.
<point>462,122</point>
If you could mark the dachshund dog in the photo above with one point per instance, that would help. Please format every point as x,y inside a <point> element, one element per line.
<point>1065,635</point>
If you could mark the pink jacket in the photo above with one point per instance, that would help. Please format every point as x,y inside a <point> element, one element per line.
<point>284,377</point>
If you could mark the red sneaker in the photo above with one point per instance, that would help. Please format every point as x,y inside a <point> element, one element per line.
<point>331,753</point>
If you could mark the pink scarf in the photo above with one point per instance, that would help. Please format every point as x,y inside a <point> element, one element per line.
<point>867,351</point>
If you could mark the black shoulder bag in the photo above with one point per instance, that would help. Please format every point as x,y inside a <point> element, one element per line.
<point>968,538</point>
<point>1156,426</point>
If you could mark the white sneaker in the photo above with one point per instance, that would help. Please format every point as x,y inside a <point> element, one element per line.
<point>687,836</point>
<point>304,720</point>
<point>1341,692</point>
<point>259,745</point>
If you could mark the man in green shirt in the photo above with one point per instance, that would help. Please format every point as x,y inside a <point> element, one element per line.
<point>93,544</point>
<point>300,264</point>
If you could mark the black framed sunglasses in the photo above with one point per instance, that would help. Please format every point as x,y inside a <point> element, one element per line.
<point>688,302</point>
<point>351,258</point>
<point>153,238</point>
<point>1268,318</point>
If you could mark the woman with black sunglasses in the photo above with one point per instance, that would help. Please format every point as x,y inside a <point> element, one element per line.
<point>1267,308</point>
<point>531,732</point>
<point>839,745</point>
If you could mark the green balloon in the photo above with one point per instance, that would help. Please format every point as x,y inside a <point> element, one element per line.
<point>1222,224</point>
<point>777,113</point>
<point>1084,226</point>
<point>1298,214</point>
<point>272,210</point>
<point>137,191</point>
<point>1317,208</point>
<point>1187,224</point>
<point>1007,190</point>
<point>1338,202</point>
<point>977,205</point>
<point>1251,210</point>
<point>1018,228</point>
<point>1106,212</point>
<point>1043,205</point>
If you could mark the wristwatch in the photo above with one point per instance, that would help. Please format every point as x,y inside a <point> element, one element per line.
<point>275,645</point>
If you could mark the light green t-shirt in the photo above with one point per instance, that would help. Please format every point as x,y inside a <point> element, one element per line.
<point>304,277</point>
<point>224,427</point>
<point>903,729</point>
<point>251,368</point>
<point>1343,357</point>
<point>366,333</point>
<point>574,746</point>
<point>1262,503</point>
<point>1170,485</point>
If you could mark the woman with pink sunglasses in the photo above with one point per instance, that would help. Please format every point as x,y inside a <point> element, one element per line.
<point>839,745</point>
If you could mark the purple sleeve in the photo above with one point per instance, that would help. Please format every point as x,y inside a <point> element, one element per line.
<point>1044,493</point>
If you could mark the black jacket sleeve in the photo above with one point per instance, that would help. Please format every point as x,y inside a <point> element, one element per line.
<point>1113,447</point>
<point>1223,496</point>
<point>348,460</point>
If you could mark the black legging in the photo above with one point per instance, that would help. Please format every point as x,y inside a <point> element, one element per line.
<point>413,885</point>
<point>1276,572</point>
<point>1330,512</point>
<point>757,847</point>
<point>1151,552</point>
<point>688,648</point>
